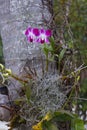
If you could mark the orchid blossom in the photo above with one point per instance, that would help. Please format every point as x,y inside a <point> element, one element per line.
<point>38,35</point>
<point>32,34</point>
<point>44,36</point>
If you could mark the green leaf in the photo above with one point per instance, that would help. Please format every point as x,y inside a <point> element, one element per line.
<point>51,59</point>
<point>52,127</point>
<point>44,48</point>
<point>45,51</point>
<point>77,124</point>
<point>63,115</point>
<point>61,55</point>
<point>28,92</point>
<point>19,100</point>
<point>70,44</point>
<point>48,47</point>
<point>49,126</point>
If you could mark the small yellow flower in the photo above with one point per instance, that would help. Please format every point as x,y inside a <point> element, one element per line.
<point>48,116</point>
<point>38,126</point>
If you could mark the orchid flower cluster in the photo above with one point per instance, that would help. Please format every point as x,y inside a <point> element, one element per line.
<point>38,35</point>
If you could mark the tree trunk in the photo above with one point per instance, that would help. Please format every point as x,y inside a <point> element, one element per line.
<point>15,17</point>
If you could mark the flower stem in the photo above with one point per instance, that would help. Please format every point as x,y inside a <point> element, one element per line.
<point>47,62</point>
<point>73,88</point>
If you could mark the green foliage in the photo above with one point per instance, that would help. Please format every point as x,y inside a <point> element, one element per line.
<point>83,95</point>
<point>78,25</point>
<point>49,48</point>
<point>61,55</point>
<point>74,28</point>
<point>62,115</point>
<point>49,126</point>
<point>77,124</point>
<point>78,22</point>
<point>70,44</point>
<point>51,51</point>
<point>28,91</point>
<point>59,116</point>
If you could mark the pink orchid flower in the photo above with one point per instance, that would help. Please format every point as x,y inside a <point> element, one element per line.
<point>44,36</point>
<point>38,35</point>
<point>32,34</point>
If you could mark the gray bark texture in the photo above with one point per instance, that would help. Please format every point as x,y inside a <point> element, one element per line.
<point>15,17</point>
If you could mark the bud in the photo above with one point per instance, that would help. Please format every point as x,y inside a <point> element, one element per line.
<point>8,71</point>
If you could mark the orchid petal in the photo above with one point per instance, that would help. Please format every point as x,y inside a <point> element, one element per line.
<point>42,30</point>
<point>30,39</point>
<point>47,40</point>
<point>48,33</point>
<point>27,31</point>
<point>36,31</point>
